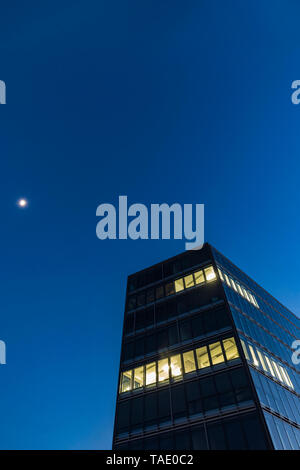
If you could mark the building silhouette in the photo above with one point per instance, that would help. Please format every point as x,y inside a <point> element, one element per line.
<point>206,360</point>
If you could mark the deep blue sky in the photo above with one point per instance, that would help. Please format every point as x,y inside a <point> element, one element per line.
<point>167,101</point>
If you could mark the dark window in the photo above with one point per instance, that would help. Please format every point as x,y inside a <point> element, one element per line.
<point>173,335</point>
<point>162,339</point>
<point>128,326</point>
<point>197,326</point>
<point>185,330</point>
<point>182,440</point>
<point>161,312</point>
<point>159,292</point>
<point>150,409</point>
<point>166,442</point>
<point>131,303</point>
<point>178,402</point>
<point>235,435</point>
<point>123,416</point>
<point>255,435</point>
<point>139,347</point>
<point>164,405</point>
<point>170,288</point>
<point>198,438</point>
<point>128,351</point>
<point>141,299</point>
<point>136,411</point>
<point>216,437</point>
<point>151,443</point>
<point>150,344</point>
<point>150,296</point>
<point>193,398</point>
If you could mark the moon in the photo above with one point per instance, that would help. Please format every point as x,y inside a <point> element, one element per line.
<point>22,203</point>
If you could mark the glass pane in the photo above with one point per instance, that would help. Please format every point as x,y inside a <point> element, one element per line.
<point>202,357</point>
<point>240,290</point>
<point>150,373</point>
<point>216,353</point>
<point>150,295</point>
<point>159,292</point>
<point>233,284</point>
<point>199,277</point>
<point>126,381</point>
<point>260,357</point>
<point>210,273</point>
<point>245,350</point>
<point>176,366</point>
<point>189,362</point>
<point>179,285</point>
<point>163,370</point>
<point>138,381</point>
<point>230,348</point>
<point>170,288</point>
<point>189,281</point>
<point>269,366</point>
<point>220,274</point>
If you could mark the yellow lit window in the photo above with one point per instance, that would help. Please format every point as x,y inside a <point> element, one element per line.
<point>240,290</point>
<point>230,348</point>
<point>220,274</point>
<point>270,366</point>
<point>233,284</point>
<point>189,281</point>
<point>176,366</point>
<point>151,373</point>
<point>126,381</point>
<point>286,377</point>
<point>138,380</point>
<point>179,285</point>
<point>199,277</point>
<point>277,372</point>
<point>189,362</point>
<point>227,280</point>
<point>216,353</point>
<point>210,273</point>
<point>254,358</point>
<point>163,370</point>
<point>262,361</point>
<point>202,357</point>
<point>246,294</point>
<point>255,301</point>
<point>245,350</point>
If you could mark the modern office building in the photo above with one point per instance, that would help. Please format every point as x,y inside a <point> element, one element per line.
<point>206,360</point>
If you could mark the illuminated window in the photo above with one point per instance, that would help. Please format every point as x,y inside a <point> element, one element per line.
<point>246,294</point>
<point>199,277</point>
<point>179,285</point>
<point>126,381</point>
<point>189,281</point>
<point>189,362</point>
<point>227,280</point>
<point>220,274</point>
<point>255,301</point>
<point>150,373</point>
<point>202,357</point>
<point>216,353</point>
<point>210,274</point>
<point>138,380</point>
<point>245,350</point>
<point>230,348</point>
<point>287,379</point>
<point>262,361</point>
<point>270,366</point>
<point>163,370</point>
<point>277,372</point>
<point>240,290</point>
<point>254,358</point>
<point>233,284</point>
<point>176,366</point>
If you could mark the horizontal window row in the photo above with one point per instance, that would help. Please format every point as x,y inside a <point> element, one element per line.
<point>175,366</point>
<point>173,287</point>
<point>197,398</point>
<point>171,308</point>
<point>246,294</point>
<point>259,359</point>
<point>194,327</point>
<point>181,263</point>
<point>240,433</point>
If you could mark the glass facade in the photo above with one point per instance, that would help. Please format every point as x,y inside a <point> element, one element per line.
<point>205,360</point>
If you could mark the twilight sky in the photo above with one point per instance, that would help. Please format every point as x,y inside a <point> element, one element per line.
<point>165,101</point>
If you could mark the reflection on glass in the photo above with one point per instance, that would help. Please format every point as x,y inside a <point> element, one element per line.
<point>163,370</point>
<point>189,362</point>
<point>176,367</point>
<point>138,380</point>
<point>150,373</point>
<point>170,288</point>
<point>179,285</point>
<point>262,361</point>
<point>245,350</point>
<point>126,381</point>
<point>231,351</point>
<point>189,281</point>
<point>202,357</point>
<point>210,273</point>
<point>220,274</point>
<point>254,358</point>
<point>216,353</point>
<point>199,277</point>
<point>269,366</point>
